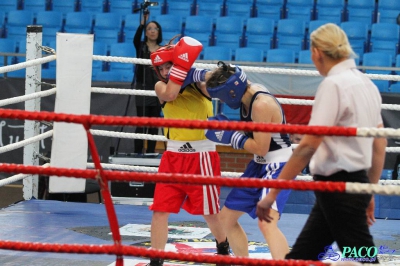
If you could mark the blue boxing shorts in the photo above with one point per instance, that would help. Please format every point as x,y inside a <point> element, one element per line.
<point>246,199</point>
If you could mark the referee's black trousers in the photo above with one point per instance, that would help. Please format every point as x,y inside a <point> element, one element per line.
<point>339,217</point>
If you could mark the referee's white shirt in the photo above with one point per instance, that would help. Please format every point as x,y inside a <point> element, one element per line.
<point>346,97</point>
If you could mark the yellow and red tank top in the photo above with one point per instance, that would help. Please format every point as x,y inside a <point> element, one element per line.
<point>190,104</point>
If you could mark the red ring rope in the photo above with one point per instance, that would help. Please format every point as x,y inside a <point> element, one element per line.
<point>162,122</point>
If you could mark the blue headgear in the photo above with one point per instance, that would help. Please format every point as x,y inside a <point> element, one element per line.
<point>232,91</point>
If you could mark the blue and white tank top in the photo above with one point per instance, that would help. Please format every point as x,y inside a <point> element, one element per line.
<point>278,140</point>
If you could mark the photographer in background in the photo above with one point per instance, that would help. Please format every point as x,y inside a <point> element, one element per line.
<point>145,78</point>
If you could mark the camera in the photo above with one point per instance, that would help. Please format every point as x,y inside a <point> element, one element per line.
<point>145,6</point>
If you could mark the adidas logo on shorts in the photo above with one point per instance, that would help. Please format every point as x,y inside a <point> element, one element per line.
<point>157,59</point>
<point>184,57</point>
<point>260,159</point>
<point>187,148</point>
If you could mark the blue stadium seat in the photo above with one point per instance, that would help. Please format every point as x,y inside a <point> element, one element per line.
<point>171,24</point>
<point>52,22</point>
<point>78,22</point>
<point>232,114</point>
<point>203,37</point>
<point>230,24</point>
<point>198,24</point>
<point>378,60</point>
<point>2,24</point>
<point>394,88</point>
<point>291,35</point>
<point>17,22</point>
<point>213,9</point>
<point>385,39</point>
<point>305,57</point>
<point>260,33</point>
<point>92,7</point>
<point>281,56</point>
<point>48,73</point>
<point>230,40</point>
<point>357,33</point>
<point>315,24</point>
<point>132,22</point>
<point>121,7</point>
<point>111,21</point>
<point>217,53</point>
<point>272,9</point>
<point>388,10</point>
<point>64,6</point>
<point>330,10</point>
<point>123,50</point>
<point>16,73</point>
<point>111,76</point>
<point>22,47</point>
<point>8,5</point>
<point>200,28</point>
<point>182,9</point>
<point>300,9</point>
<point>249,54</point>
<point>397,64</point>
<point>170,37</point>
<point>229,32</point>
<point>183,1</point>
<point>361,10</point>
<point>99,48</point>
<point>7,46</point>
<point>107,36</point>
<point>35,5</point>
<point>156,10</point>
<point>242,8</point>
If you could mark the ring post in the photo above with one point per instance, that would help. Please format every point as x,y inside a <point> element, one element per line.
<point>31,128</point>
<point>73,80</point>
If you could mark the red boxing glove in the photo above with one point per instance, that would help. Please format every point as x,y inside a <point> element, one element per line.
<point>162,55</point>
<point>186,52</point>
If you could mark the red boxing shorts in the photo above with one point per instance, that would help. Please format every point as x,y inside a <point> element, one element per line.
<point>188,158</point>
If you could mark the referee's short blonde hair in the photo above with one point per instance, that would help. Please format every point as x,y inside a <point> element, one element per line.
<point>332,41</point>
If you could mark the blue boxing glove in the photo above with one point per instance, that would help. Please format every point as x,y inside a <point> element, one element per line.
<point>235,138</point>
<point>194,75</point>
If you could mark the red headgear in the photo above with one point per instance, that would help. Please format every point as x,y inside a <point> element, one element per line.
<point>161,56</point>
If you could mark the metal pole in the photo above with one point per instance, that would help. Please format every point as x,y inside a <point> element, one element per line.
<point>31,128</point>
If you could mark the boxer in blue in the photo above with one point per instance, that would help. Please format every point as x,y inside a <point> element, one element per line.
<point>271,151</point>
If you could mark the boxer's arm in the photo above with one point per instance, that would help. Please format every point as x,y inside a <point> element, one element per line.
<point>167,92</point>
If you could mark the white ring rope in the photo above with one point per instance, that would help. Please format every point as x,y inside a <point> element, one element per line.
<point>134,168</point>
<point>378,132</point>
<point>360,188</point>
<point>25,142</point>
<point>106,133</point>
<point>394,107</point>
<point>27,97</point>
<point>17,177</point>
<point>26,64</point>
<point>130,168</point>
<point>123,91</point>
<point>385,187</point>
<point>294,72</point>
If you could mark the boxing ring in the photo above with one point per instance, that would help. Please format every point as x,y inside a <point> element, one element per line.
<point>38,232</point>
